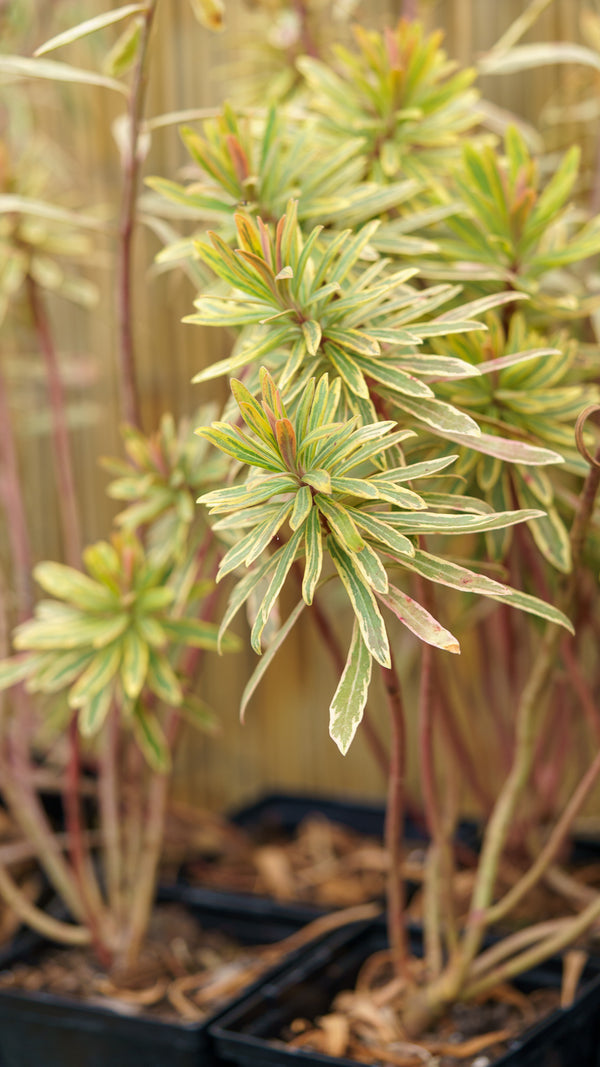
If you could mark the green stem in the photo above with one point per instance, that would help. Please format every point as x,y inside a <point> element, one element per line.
<point>108,792</point>
<point>570,930</point>
<point>143,892</point>
<point>433,889</point>
<point>550,849</point>
<point>28,813</point>
<point>65,933</point>
<point>439,907</point>
<point>394,820</point>
<point>429,1003</point>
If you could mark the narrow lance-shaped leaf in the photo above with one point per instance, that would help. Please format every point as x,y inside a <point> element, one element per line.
<point>151,740</point>
<point>93,714</point>
<point>96,676</point>
<point>136,655</point>
<point>285,560</point>
<point>199,634</point>
<point>66,583</point>
<point>15,669</point>
<point>10,203</point>
<point>418,620</point>
<point>505,449</point>
<point>348,704</point>
<point>163,681</point>
<point>364,605</point>
<point>60,671</point>
<point>83,29</point>
<point>313,562</point>
<point>267,658</point>
<point>51,70</point>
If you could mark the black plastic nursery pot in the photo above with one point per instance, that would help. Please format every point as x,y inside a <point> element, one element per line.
<point>280,814</point>
<point>46,1030</point>
<point>249,1033</point>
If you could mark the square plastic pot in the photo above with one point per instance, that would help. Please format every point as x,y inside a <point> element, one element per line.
<point>46,1030</point>
<point>249,1033</point>
<point>276,814</point>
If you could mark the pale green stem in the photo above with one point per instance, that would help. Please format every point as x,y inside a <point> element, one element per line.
<point>394,819</point>
<point>531,700</point>
<point>429,1003</point>
<point>65,933</point>
<point>551,946</point>
<point>28,813</point>
<point>109,813</point>
<point>511,944</point>
<point>143,892</point>
<point>550,851</point>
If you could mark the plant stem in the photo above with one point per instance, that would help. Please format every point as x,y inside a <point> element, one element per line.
<point>394,820</point>
<point>142,897</point>
<point>462,757</point>
<point>14,507</point>
<point>432,914</point>
<point>439,909</point>
<point>24,805</point>
<point>69,512</point>
<point>510,945</point>
<point>79,852</point>
<point>430,1002</point>
<point>580,686</point>
<point>570,930</point>
<point>131,166</point>
<point>65,480</point>
<point>65,933</point>
<point>109,813</point>
<point>532,697</point>
<point>550,849</point>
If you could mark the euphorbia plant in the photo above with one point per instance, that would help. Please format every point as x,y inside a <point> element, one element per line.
<point>329,442</point>
<point>327,495</point>
<point>101,655</point>
<point>105,668</point>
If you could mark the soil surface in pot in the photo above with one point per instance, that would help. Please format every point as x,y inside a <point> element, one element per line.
<point>330,864</point>
<point>365,1024</point>
<point>185,971</point>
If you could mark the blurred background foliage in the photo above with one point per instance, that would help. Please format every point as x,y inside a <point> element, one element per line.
<point>60,144</point>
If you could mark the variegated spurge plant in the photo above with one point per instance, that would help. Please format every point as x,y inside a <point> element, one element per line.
<point>374,415</point>
<point>105,667</point>
<point>328,491</point>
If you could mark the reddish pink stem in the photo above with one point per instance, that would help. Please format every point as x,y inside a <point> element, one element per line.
<point>67,496</point>
<point>14,507</point>
<point>131,166</point>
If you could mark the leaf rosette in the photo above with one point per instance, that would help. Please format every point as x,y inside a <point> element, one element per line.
<point>106,638</point>
<point>320,491</point>
<point>515,230</point>
<point>527,402</point>
<point>159,481</point>
<point>400,94</point>
<point>310,306</point>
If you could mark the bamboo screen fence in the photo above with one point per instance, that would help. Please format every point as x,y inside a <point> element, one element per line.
<point>284,741</point>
